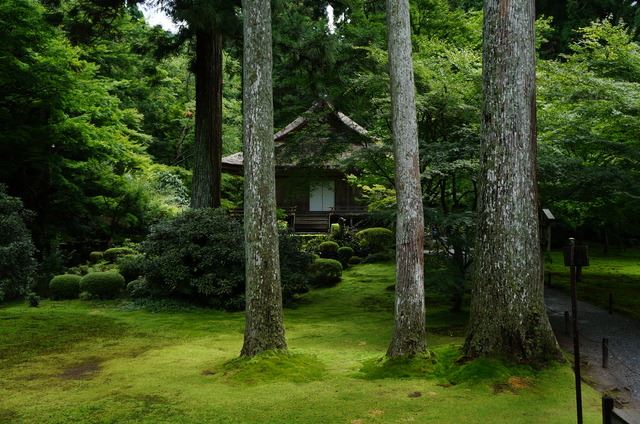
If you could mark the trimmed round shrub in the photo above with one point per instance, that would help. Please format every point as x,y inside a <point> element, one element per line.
<point>131,267</point>
<point>355,260</point>
<point>33,300</point>
<point>111,255</point>
<point>328,249</point>
<point>103,285</point>
<point>325,272</point>
<point>376,239</point>
<point>66,286</point>
<point>344,254</point>
<point>139,288</point>
<point>95,257</point>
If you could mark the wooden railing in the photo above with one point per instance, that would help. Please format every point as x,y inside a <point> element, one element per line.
<point>309,221</point>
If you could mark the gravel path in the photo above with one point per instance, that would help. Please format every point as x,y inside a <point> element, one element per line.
<point>594,324</point>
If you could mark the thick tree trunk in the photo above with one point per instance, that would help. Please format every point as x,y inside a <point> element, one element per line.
<point>508,316</point>
<point>264,328</point>
<point>409,337</point>
<point>205,191</point>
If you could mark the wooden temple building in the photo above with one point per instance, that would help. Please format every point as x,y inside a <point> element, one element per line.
<point>313,156</point>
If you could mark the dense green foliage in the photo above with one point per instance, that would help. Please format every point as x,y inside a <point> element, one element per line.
<point>72,136</point>
<point>102,285</point>
<point>199,255</point>
<point>589,133</point>
<point>97,111</point>
<point>66,286</point>
<point>17,263</point>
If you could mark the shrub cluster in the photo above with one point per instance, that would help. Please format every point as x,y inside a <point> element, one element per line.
<point>102,285</point>
<point>66,286</point>
<point>199,255</point>
<point>325,272</point>
<point>342,243</point>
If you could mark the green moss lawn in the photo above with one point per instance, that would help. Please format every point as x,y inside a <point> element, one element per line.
<point>111,362</point>
<point>617,273</point>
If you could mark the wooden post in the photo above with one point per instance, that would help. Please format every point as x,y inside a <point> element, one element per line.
<point>576,335</point>
<point>605,353</point>
<point>607,410</point>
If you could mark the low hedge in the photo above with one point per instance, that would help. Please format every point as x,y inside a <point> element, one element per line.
<point>325,272</point>
<point>66,286</point>
<point>103,285</point>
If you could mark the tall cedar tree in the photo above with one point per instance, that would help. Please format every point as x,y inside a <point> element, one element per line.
<point>508,315</point>
<point>208,21</point>
<point>207,173</point>
<point>264,328</point>
<point>409,337</point>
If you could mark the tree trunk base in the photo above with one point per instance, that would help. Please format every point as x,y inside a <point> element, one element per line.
<point>531,342</point>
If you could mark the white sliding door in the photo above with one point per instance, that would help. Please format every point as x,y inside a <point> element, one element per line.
<point>322,196</point>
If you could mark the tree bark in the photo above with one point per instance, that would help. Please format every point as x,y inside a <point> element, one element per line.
<point>207,175</point>
<point>264,328</point>
<point>508,316</point>
<point>409,337</point>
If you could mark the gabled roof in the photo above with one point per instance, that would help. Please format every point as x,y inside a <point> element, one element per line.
<point>301,121</point>
<point>326,109</point>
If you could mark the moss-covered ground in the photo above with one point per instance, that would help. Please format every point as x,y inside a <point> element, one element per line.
<point>109,362</point>
<point>617,273</point>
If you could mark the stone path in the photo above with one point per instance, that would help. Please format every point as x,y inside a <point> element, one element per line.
<point>622,377</point>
